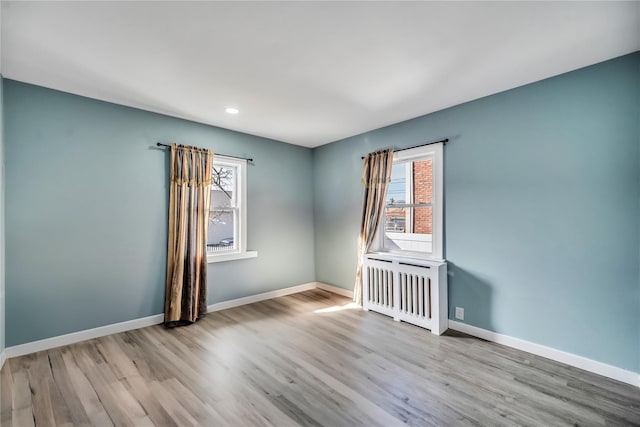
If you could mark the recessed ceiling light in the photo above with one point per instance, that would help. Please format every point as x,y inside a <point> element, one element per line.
<point>232,110</point>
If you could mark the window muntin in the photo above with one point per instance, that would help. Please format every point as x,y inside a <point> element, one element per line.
<point>412,219</point>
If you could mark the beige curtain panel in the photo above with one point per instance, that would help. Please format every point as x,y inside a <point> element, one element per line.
<point>375,178</point>
<point>189,202</point>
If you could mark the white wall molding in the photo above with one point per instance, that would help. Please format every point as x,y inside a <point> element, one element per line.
<point>336,290</point>
<point>72,338</point>
<point>571,359</point>
<point>260,297</point>
<point>87,334</point>
<point>590,365</point>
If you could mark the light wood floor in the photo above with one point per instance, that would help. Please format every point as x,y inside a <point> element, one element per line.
<point>283,363</point>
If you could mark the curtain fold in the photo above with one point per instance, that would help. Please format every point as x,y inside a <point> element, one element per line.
<point>376,175</point>
<point>189,203</point>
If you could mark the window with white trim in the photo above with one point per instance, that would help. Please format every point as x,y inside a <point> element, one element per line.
<point>412,221</point>
<point>227,236</point>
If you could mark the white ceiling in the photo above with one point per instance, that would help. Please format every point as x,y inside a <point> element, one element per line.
<point>307,73</point>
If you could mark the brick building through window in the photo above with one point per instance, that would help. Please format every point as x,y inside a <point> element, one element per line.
<point>423,193</point>
<point>417,189</point>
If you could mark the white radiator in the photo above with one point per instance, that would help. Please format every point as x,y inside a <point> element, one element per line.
<point>407,289</point>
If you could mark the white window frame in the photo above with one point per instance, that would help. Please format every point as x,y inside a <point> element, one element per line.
<point>435,151</point>
<point>241,251</point>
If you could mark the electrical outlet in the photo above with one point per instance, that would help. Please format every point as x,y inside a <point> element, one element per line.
<point>459,313</point>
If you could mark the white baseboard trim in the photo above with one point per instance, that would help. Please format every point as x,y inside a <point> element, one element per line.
<point>336,290</point>
<point>590,365</point>
<point>260,297</point>
<point>87,334</point>
<point>72,338</point>
<point>571,359</point>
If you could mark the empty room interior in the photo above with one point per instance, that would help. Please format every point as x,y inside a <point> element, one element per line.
<point>319,213</point>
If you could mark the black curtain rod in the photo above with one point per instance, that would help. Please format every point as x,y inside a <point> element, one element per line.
<point>160,144</point>
<point>444,141</point>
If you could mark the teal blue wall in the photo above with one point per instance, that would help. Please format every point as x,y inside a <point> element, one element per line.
<point>542,213</point>
<point>542,208</point>
<point>86,212</point>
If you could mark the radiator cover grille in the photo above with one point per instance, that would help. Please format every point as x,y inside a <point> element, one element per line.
<point>414,291</point>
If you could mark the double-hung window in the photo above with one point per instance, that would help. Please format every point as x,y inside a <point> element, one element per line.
<point>227,237</point>
<point>412,220</point>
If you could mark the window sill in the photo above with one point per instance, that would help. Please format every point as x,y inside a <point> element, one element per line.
<point>231,257</point>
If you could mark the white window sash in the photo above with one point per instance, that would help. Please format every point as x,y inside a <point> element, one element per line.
<point>435,152</point>
<point>239,202</point>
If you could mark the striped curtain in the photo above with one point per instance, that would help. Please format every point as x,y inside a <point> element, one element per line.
<point>375,178</point>
<point>189,202</point>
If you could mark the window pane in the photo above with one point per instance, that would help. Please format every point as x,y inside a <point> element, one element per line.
<point>397,190</point>
<point>223,189</point>
<point>408,228</point>
<point>222,230</point>
<point>411,182</point>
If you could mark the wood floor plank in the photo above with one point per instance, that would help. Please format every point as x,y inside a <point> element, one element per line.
<point>167,398</point>
<point>120,406</point>
<point>6,394</point>
<point>84,390</point>
<point>77,413</point>
<point>146,394</point>
<point>48,404</point>
<point>22,405</point>
<point>307,359</point>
